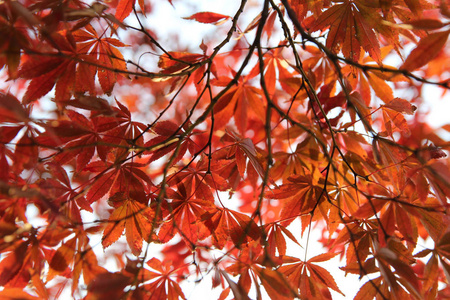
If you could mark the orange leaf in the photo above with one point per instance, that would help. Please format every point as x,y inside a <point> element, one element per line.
<point>443,246</point>
<point>16,294</point>
<point>323,257</point>
<point>380,87</point>
<point>367,37</point>
<point>320,275</point>
<point>275,284</point>
<point>10,265</point>
<point>432,221</point>
<point>402,269</point>
<point>368,290</point>
<point>402,106</point>
<point>106,77</point>
<point>63,257</point>
<point>238,292</point>
<point>446,268</point>
<point>124,9</point>
<point>226,224</point>
<point>336,17</point>
<point>427,49</point>
<point>41,85</point>
<point>431,273</point>
<point>115,227</point>
<point>349,30</point>
<point>394,120</point>
<point>208,17</point>
<point>404,223</point>
<point>388,221</point>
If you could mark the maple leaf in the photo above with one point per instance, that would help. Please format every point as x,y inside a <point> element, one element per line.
<point>394,121</point>
<point>86,263</point>
<point>276,240</point>
<point>241,101</point>
<point>48,71</point>
<point>274,284</point>
<point>319,280</point>
<point>124,9</point>
<point>401,105</point>
<point>287,164</point>
<point>273,62</point>
<point>169,138</point>
<point>349,30</point>
<point>65,196</point>
<point>328,103</point>
<point>12,264</point>
<point>128,180</point>
<point>24,261</point>
<point>79,136</point>
<point>162,286</point>
<point>119,128</point>
<point>369,289</point>
<point>15,38</point>
<point>208,18</point>
<point>176,62</point>
<point>427,49</point>
<point>183,212</point>
<point>300,194</point>
<point>63,70</point>
<point>106,60</point>
<point>133,217</point>
<point>387,256</point>
<point>374,79</point>
<point>244,149</point>
<point>226,224</point>
<point>62,258</point>
<point>198,182</point>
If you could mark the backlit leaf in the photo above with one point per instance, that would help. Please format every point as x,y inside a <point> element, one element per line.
<point>427,49</point>
<point>207,17</point>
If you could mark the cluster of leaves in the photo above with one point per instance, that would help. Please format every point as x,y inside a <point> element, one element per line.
<point>296,119</point>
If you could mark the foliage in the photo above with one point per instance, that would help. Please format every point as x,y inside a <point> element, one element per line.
<point>110,130</point>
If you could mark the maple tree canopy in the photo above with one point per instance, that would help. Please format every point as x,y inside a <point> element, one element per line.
<point>290,115</point>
